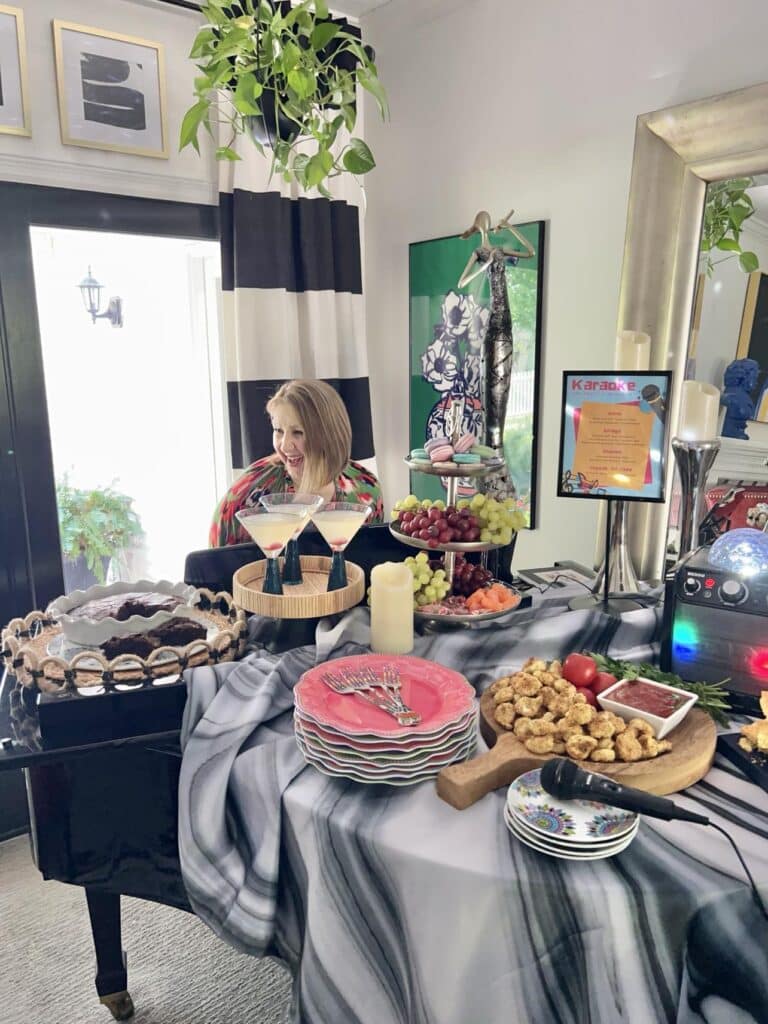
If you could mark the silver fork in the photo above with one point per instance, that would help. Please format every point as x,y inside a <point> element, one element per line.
<point>367,692</point>
<point>389,681</point>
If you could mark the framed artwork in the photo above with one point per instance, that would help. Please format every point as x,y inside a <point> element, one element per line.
<point>111,90</point>
<point>753,338</point>
<point>447,326</point>
<point>614,434</point>
<point>14,87</point>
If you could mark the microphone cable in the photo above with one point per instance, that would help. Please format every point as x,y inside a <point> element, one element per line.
<point>755,891</point>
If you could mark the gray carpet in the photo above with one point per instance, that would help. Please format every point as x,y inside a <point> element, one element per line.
<point>178,971</point>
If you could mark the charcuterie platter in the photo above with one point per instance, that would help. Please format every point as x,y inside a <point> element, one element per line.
<point>683,757</point>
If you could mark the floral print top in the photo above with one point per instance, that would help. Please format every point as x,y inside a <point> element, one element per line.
<point>269,476</point>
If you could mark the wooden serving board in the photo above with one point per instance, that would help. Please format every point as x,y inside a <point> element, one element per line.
<point>691,756</point>
<point>307,600</point>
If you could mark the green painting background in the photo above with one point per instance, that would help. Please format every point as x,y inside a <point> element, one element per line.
<point>435,268</point>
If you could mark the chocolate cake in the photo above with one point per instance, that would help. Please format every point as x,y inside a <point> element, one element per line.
<point>123,606</point>
<point>176,633</point>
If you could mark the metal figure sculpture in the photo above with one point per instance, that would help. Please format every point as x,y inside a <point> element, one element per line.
<point>498,343</point>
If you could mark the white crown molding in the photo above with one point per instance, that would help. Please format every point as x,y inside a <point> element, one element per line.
<point>63,174</point>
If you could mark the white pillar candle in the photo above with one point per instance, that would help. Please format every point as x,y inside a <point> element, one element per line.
<point>699,411</point>
<point>633,351</point>
<point>391,608</point>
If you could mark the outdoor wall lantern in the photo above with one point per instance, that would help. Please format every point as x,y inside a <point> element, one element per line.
<point>90,289</point>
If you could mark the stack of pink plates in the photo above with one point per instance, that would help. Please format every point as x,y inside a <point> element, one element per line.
<point>341,734</point>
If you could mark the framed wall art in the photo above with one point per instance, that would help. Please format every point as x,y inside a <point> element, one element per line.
<point>614,434</point>
<point>111,90</point>
<point>447,327</point>
<point>14,87</point>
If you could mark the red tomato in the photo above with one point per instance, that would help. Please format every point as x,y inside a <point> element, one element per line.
<point>589,695</point>
<point>579,669</point>
<point>601,682</point>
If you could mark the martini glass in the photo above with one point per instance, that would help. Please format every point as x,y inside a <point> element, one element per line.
<point>271,531</point>
<point>299,505</point>
<point>338,522</point>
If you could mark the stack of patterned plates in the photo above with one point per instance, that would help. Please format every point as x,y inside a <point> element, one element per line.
<point>569,829</point>
<point>342,734</point>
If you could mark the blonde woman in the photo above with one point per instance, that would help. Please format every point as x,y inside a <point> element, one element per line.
<point>312,438</point>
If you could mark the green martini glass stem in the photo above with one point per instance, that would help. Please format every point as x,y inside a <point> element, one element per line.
<point>272,581</point>
<point>292,564</point>
<point>337,578</point>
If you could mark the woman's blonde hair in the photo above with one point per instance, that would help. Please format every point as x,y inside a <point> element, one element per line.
<point>327,430</point>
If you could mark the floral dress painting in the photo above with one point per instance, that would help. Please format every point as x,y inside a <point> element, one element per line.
<point>447,329</point>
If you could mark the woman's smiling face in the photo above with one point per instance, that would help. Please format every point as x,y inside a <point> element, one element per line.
<point>288,439</point>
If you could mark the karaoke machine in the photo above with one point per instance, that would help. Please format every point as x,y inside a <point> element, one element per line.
<point>716,628</point>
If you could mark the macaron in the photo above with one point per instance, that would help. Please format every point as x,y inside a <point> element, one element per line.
<point>436,442</point>
<point>484,451</point>
<point>466,458</point>
<point>465,442</point>
<point>443,453</point>
<point>419,454</point>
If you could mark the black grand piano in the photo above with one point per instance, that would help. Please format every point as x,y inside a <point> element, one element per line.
<point>91,823</point>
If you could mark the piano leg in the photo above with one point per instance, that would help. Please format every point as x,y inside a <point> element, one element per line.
<point>111,962</point>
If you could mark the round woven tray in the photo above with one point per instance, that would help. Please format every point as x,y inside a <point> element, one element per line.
<point>307,600</point>
<point>26,642</point>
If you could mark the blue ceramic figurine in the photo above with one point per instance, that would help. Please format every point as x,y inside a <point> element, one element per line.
<point>740,378</point>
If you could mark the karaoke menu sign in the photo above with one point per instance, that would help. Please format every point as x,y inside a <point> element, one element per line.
<point>614,435</point>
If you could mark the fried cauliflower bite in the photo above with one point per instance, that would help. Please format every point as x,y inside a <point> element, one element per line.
<point>603,754</point>
<point>581,714</point>
<point>542,727</point>
<point>525,685</point>
<point>547,693</point>
<point>534,665</point>
<point>547,678</point>
<point>579,699</point>
<point>556,668</point>
<point>540,744</point>
<point>628,746</point>
<point>528,706</point>
<point>505,715</point>
<point>563,686</point>
<point>602,725</point>
<point>649,744</point>
<point>641,726</point>
<point>504,695</point>
<point>560,705</point>
<point>580,747</point>
<point>605,744</point>
<point>522,727</point>
<point>619,725</point>
<point>499,684</point>
<point>566,729</point>
<point>558,747</point>
<point>664,746</point>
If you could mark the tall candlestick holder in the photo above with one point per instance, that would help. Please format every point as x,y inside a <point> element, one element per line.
<point>694,460</point>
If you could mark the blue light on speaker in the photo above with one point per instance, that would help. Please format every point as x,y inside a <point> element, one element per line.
<point>743,551</point>
<point>685,640</point>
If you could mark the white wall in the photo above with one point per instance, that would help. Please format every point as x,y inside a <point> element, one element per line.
<point>43,160</point>
<point>498,104</point>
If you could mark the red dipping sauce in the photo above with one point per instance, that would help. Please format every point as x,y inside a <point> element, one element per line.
<point>647,697</point>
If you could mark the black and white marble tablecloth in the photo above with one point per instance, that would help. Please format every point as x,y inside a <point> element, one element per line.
<point>393,908</point>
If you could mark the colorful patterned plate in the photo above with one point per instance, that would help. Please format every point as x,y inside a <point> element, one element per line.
<point>558,843</point>
<point>584,821</point>
<point>599,853</point>
<point>440,695</point>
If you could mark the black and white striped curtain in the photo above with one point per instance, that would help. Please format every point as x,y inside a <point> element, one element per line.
<point>293,299</point>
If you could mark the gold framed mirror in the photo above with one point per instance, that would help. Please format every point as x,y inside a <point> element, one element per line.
<point>678,151</point>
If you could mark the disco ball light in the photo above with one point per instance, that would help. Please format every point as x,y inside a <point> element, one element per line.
<point>743,551</point>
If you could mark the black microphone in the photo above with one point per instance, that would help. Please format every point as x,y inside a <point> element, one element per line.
<point>565,780</point>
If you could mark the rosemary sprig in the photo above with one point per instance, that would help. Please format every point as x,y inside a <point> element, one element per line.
<point>713,698</point>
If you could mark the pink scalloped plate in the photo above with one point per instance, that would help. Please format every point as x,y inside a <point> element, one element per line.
<point>388,753</point>
<point>440,695</point>
<point>377,744</point>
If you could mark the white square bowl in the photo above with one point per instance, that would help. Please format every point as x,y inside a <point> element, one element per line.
<point>661,726</point>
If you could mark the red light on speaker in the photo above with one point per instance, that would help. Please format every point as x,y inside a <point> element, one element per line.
<point>709,583</point>
<point>758,663</point>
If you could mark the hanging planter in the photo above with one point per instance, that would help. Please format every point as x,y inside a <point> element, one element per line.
<point>287,77</point>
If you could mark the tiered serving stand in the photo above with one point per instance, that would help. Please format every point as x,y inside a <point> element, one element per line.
<point>452,474</point>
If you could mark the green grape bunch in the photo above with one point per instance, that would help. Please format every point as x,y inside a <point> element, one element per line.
<point>429,584</point>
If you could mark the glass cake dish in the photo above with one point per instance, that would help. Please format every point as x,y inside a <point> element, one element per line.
<point>92,617</point>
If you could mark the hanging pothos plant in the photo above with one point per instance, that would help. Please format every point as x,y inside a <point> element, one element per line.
<point>728,205</point>
<point>286,75</point>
